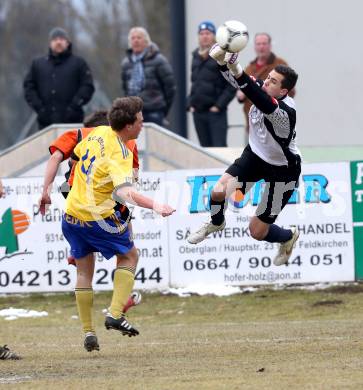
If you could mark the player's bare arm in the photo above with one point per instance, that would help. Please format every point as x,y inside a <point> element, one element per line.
<point>130,195</point>
<point>50,172</point>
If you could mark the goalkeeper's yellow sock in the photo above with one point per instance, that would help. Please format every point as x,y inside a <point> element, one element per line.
<point>84,299</point>
<point>123,283</point>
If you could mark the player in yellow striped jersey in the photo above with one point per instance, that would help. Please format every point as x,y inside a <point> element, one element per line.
<point>103,174</point>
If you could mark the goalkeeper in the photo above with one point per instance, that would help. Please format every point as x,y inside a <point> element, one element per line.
<point>271,154</point>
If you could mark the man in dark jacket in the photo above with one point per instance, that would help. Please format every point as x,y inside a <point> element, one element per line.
<point>145,72</point>
<point>210,93</point>
<point>59,84</point>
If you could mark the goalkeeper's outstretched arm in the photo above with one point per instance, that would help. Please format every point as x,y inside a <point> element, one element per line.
<point>232,71</point>
<point>251,89</point>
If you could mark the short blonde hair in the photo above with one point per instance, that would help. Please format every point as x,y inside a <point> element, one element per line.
<point>141,30</point>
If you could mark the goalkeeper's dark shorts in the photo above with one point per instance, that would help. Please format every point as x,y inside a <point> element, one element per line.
<point>277,183</point>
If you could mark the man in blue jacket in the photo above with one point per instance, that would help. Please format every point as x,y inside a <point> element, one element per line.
<point>59,84</point>
<point>210,94</point>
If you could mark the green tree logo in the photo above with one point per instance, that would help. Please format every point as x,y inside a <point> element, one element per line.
<point>13,223</point>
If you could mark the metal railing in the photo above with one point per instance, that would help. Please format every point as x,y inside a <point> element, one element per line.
<point>28,127</point>
<point>160,150</point>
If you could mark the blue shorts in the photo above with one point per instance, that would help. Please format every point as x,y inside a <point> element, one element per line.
<point>96,236</point>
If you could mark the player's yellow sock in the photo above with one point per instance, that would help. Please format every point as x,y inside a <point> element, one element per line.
<point>123,283</point>
<point>84,298</point>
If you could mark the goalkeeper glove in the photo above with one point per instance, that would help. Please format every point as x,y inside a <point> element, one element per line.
<point>218,54</point>
<point>231,59</point>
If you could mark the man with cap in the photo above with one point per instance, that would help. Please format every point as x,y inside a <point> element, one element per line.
<point>210,94</point>
<point>59,84</point>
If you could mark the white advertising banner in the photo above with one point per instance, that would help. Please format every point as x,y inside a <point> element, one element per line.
<point>320,208</point>
<point>33,251</point>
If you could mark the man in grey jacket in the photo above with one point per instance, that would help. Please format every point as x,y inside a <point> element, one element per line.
<point>145,72</point>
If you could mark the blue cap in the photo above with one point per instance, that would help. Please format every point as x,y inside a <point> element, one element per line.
<point>207,25</point>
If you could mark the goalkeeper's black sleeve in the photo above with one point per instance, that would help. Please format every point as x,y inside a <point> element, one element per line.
<point>252,90</point>
<point>256,94</point>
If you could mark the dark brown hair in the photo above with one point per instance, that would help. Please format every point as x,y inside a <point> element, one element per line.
<point>97,118</point>
<point>123,112</point>
<point>290,76</point>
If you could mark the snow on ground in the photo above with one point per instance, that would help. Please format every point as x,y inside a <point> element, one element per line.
<point>13,314</point>
<point>223,291</point>
<point>205,289</point>
<point>193,289</point>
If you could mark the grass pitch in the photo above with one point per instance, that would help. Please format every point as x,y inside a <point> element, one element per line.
<point>288,339</point>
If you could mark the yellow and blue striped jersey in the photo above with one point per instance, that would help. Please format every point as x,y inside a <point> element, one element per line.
<point>105,163</point>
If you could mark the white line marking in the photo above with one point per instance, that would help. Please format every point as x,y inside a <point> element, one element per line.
<point>221,342</point>
<point>14,379</point>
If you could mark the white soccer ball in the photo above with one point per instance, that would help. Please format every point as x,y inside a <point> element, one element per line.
<point>232,36</point>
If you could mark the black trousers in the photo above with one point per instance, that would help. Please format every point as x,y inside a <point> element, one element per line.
<point>156,116</point>
<point>211,128</point>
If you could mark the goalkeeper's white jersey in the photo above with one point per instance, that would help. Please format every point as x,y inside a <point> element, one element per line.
<point>272,136</point>
<point>272,122</point>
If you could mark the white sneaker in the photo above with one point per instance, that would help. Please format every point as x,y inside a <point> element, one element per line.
<point>205,231</point>
<point>286,248</point>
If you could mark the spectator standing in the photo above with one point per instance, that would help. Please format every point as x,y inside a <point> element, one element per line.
<point>260,67</point>
<point>210,94</point>
<point>146,73</point>
<point>59,84</point>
